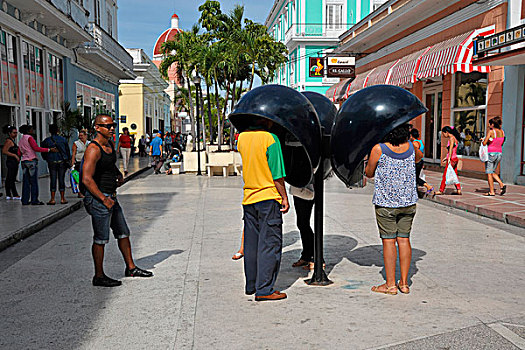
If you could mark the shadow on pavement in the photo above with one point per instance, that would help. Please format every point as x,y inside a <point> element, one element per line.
<point>150,261</point>
<point>337,248</point>
<point>372,255</point>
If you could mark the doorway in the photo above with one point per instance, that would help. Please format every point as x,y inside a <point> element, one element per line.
<point>432,98</point>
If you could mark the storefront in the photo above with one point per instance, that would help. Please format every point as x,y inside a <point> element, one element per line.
<point>427,48</point>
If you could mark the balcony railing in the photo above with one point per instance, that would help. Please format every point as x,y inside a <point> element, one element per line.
<point>323,30</point>
<point>74,10</point>
<point>109,46</point>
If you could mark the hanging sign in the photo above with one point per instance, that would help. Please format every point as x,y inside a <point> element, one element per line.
<point>316,67</point>
<point>340,67</point>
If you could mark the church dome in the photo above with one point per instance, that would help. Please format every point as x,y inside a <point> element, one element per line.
<point>168,34</point>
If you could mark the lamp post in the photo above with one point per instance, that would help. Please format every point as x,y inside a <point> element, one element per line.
<point>197,81</point>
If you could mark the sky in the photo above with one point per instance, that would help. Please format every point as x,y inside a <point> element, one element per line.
<point>140,22</point>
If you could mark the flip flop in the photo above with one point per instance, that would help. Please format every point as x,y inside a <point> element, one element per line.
<point>503,190</point>
<point>489,195</point>
<point>237,256</point>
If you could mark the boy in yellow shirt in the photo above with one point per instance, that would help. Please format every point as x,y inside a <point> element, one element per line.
<point>264,202</point>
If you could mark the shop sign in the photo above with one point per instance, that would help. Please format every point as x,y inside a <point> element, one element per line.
<point>496,41</point>
<point>316,67</point>
<point>340,67</point>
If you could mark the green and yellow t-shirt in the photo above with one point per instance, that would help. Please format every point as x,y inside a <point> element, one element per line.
<point>262,162</point>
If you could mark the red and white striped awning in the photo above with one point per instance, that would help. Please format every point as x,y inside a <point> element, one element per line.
<point>404,72</point>
<point>360,82</point>
<point>382,74</point>
<point>452,55</point>
<point>338,90</point>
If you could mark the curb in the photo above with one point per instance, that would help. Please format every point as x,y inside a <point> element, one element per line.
<point>506,218</point>
<point>41,223</point>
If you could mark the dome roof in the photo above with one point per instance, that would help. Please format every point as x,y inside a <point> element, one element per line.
<point>168,34</point>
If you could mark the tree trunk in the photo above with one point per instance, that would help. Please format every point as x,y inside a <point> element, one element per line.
<point>218,104</point>
<point>192,116</point>
<point>203,128</point>
<point>209,113</point>
<point>253,76</point>
<point>223,116</point>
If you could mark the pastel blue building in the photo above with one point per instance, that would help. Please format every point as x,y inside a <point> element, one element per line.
<point>311,28</point>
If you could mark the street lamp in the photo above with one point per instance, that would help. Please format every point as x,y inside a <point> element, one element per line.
<point>197,81</point>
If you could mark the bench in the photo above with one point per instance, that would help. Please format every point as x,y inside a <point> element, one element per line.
<point>225,168</point>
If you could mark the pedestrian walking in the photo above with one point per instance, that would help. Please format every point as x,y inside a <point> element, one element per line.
<point>12,162</point>
<point>100,179</point>
<point>451,159</point>
<point>156,151</point>
<point>167,142</point>
<point>124,146</point>
<point>79,148</point>
<point>414,138</point>
<point>393,165</point>
<point>29,162</point>
<point>57,163</point>
<point>494,141</point>
<point>264,202</point>
<point>142,146</point>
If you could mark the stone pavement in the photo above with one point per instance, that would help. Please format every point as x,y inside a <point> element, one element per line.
<point>20,221</point>
<point>509,208</point>
<point>467,279</point>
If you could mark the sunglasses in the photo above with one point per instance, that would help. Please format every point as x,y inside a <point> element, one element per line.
<point>108,126</point>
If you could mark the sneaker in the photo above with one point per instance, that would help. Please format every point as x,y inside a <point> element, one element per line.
<point>8,198</point>
<point>137,272</point>
<point>105,281</point>
<point>16,198</point>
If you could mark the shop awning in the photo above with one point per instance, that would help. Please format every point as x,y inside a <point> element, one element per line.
<point>360,82</point>
<point>404,72</point>
<point>338,90</point>
<point>382,74</point>
<point>451,56</point>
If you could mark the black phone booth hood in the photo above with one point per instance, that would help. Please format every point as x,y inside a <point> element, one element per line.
<point>364,120</point>
<point>295,122</point>
<point>326,111</point>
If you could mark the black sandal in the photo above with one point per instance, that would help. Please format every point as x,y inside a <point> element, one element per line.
<point>503,190</point>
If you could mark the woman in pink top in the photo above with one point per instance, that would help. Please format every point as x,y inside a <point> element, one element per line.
<point>453,137</point>
<point>28,149</point>
<point>494,139</point>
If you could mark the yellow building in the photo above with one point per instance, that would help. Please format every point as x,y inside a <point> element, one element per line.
<point>143,104</point>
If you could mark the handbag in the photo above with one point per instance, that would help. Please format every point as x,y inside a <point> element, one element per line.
<point>484,152</point>
<point>451,177</point>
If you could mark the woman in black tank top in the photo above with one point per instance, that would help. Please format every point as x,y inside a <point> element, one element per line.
<point>106,171</point>
<point>10,149</point>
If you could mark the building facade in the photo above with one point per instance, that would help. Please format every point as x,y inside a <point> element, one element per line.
<point>311,28</point>
<point>511,55</point>
<point>56,51</point>
<point>174,78</point>
<point>427,48</point>
<point>144,103</point>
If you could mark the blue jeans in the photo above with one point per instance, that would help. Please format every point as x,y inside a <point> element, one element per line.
<point>263,242</point>
<point>57,170</point>
<point>103,219</point>
<point>30,181</point>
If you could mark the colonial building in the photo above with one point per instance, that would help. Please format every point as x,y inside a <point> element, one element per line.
<point>510,53</point>
<point>174,79</point>
<point>144,104</point>
<point>427,47</point>
<point>311,28</point>
<point>53,51</point>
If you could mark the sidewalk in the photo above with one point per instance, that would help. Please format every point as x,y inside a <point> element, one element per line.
<point>509,208</point>
<point>19,222</point>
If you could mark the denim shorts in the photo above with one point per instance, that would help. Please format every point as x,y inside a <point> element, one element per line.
<point>103,219</point>
<point>395,222</point>
<point>492,163</point>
